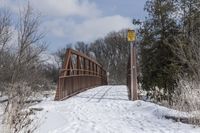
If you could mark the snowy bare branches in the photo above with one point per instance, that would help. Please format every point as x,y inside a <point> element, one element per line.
<point>5,32</point>
<point>23,67</point>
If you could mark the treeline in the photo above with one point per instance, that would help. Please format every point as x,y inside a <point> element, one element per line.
<point>169,40</point>
<point>112,52</point>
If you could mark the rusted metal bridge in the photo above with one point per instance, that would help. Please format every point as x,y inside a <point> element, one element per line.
<point>79,73</point>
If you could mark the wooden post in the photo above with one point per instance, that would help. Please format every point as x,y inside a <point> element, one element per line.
<point>133,90</point>
<point>134,72</point>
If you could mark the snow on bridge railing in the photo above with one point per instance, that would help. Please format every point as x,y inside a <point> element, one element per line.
<point>79,73</point>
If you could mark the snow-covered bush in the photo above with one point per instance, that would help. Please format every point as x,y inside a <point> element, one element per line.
<point>187,98</point>
<point>17,116</point>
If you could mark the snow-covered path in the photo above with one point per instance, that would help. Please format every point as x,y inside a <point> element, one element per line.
<point>106,109</point>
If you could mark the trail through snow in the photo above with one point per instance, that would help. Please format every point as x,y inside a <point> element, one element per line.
<point>106,109</point>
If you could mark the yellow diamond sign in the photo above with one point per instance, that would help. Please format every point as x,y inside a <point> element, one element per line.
<point>131,35</point>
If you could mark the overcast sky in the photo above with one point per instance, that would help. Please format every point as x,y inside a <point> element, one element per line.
<point>69,21</point>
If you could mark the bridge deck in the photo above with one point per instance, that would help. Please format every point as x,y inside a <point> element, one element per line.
<point>102,93</point>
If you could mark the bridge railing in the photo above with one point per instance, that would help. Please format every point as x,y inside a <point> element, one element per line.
<point>79,73</point>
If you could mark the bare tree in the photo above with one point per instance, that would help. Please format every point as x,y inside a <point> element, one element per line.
<point>187,93</point>
<point>5,36</point>
<point>112,52</point>
<point>5,32</point>
<point>82,47</point>
<point>25,75</point>
<point>60,55</point>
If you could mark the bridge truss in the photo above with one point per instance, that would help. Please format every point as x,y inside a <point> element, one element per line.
<point>79,73</point>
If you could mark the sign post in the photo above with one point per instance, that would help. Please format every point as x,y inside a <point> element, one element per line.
<point>131,38</point>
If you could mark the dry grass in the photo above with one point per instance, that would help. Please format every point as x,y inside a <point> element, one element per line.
<point>187,99</point>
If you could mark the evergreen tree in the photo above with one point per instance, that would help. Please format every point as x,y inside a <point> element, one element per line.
<point>158,62</point>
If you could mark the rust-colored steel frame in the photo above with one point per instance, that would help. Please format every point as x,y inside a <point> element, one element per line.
<point>79,73</point>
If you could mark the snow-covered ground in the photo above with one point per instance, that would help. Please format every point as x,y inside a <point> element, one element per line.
<point>106,109</point>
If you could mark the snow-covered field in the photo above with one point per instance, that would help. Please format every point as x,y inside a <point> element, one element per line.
<point>106,109</point>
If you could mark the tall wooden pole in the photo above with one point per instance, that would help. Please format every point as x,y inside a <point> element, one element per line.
<point>131,67</point>
<point>133,72</point>
<point>131,36</point>
<point>134,69</point>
